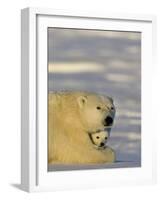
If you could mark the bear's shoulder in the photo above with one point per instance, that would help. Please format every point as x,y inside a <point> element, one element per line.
<point>63,97</point>
<point>68,93</point>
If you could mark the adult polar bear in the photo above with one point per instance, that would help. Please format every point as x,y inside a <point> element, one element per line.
<point>72,118</point>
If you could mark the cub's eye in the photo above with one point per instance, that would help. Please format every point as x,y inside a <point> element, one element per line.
<point>98,108</point>
<point>97,137</point>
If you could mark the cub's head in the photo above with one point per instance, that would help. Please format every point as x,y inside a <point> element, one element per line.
<point>97,112</point>
<point>99,139</point>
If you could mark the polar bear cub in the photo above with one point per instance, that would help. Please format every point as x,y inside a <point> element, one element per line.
<point>100,138</point>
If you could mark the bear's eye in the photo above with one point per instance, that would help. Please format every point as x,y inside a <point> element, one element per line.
<point>112,108</point>
<point>97,137</point>
<point>98,108</point>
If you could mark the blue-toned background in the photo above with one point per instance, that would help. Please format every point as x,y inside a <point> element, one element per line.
<point>107,62</point>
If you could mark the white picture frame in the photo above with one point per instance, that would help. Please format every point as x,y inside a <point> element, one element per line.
<point>34,174</point>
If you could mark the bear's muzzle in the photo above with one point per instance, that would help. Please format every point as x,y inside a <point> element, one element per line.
<point>108,121</point>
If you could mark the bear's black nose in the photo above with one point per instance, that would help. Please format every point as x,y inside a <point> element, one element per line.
<point>108,121</point>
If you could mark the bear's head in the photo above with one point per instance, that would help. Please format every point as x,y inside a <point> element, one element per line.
<point>97,112</point>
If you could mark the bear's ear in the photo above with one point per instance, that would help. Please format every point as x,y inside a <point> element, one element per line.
<point>81,101</point>
<point>110,98</point>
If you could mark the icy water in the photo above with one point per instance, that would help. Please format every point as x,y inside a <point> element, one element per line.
<point>107,62</point>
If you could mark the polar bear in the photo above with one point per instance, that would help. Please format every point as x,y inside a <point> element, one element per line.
<point>72,119</point>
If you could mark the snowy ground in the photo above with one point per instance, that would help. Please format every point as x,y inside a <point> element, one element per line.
<point>106,62</point>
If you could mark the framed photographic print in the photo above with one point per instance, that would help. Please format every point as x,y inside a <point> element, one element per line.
<point>86,99</point>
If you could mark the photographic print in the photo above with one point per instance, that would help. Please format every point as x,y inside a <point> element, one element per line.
<point>94,99</point>
<point>86,99</point>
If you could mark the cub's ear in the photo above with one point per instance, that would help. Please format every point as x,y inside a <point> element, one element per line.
<point>82,101</point>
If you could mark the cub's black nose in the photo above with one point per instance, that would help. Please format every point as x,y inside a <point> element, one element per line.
<point>102,144</point>
<point>108,121</point>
